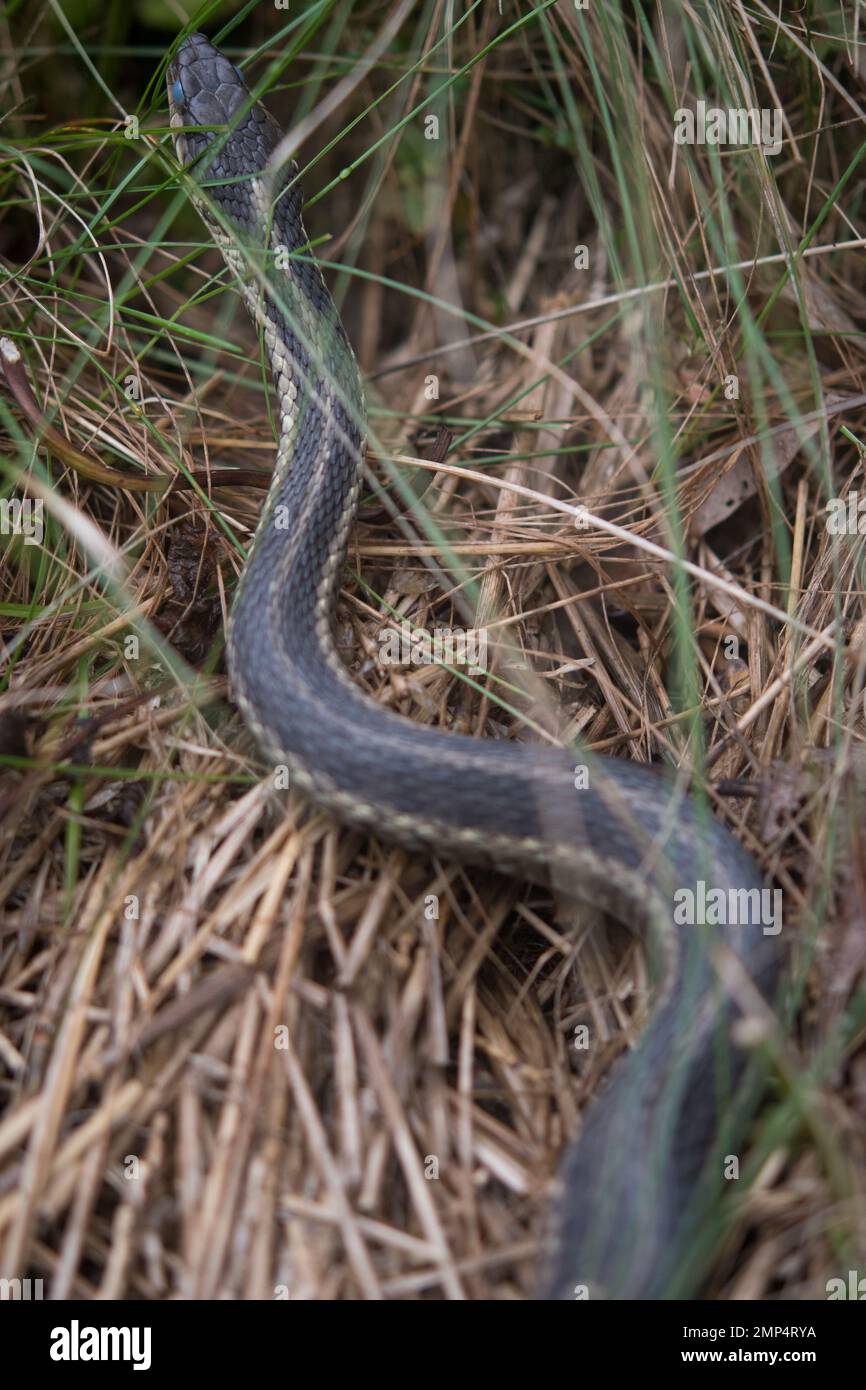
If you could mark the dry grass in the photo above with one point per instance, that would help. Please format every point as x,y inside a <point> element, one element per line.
<point>234,1047</point>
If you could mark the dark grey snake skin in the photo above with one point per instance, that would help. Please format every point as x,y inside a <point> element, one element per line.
<point>636,1187</point>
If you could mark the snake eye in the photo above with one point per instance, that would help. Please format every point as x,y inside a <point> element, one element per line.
<point>177,91</point>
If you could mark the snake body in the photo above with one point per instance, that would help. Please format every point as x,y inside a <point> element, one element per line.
<point>626,1209</point>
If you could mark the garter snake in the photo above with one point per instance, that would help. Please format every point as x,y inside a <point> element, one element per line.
<point>633,1189</point>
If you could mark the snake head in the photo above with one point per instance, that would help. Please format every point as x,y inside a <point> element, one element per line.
<point>205,89</point>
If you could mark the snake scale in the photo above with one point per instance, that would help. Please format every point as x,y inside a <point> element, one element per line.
<point>634,1188</point>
